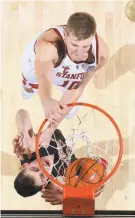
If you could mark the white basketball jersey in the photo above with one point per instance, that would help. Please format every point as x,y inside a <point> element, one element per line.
<point>67,74</point>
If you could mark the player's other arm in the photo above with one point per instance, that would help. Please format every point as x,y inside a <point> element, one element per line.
<point>23,121</point>
<point>102,57</point>
<point>23,142</point>
<point>74,94</point>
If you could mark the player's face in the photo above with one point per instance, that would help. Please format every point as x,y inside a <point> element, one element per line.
<point>33,170</point>
<point>78,50</point>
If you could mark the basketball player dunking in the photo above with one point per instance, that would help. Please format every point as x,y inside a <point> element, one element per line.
<point>66,56</point>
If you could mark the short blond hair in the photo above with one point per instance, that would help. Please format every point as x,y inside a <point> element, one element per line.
<point>81,25</point>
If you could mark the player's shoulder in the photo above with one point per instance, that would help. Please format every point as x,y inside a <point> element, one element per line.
<point>49,38</point>
<point>47,43</point>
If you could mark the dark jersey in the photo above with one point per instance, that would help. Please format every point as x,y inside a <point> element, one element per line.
<point>60,163</point>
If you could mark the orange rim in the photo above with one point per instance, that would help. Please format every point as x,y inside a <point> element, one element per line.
<point>120,143</point>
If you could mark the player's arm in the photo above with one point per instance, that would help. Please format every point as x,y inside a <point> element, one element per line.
<point>102,57</point>
<point>74,94</point>
<point>23,121</point>
<point>44,64</point>
<point>24,138</point>
<point>24,142</point>
<point>46,57</point>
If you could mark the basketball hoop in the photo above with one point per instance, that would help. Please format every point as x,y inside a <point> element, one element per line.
<point>77,191</point>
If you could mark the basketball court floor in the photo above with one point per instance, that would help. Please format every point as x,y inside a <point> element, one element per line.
<point>113,89</point>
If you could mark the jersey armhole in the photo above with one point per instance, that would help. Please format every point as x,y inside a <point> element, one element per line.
<point>97,49</point>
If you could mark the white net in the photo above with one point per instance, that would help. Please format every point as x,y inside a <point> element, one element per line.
<point>88,134</point>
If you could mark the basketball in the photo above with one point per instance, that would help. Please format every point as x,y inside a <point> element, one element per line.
<point>85,172</point>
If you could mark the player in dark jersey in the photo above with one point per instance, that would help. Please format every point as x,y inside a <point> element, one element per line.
<point>30,179</point>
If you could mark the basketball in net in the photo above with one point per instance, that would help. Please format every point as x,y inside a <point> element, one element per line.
<point>85,151</point>
<point>85,172</point>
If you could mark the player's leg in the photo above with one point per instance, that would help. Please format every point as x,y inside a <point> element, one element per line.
<point>28,75</point>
